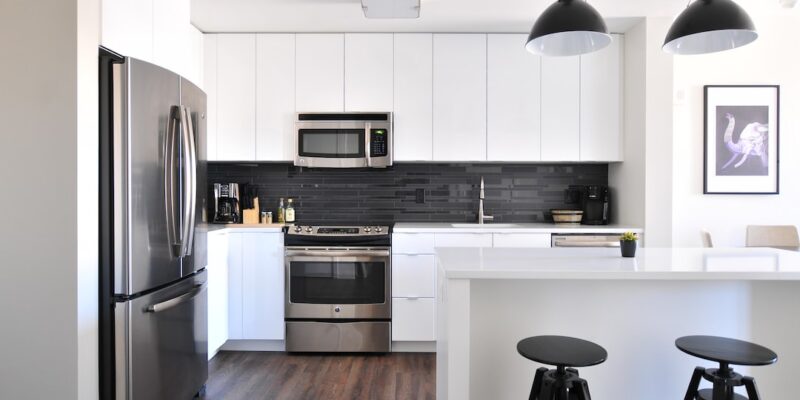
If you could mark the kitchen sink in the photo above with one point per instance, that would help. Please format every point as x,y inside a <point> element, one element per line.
<point>487,225</point>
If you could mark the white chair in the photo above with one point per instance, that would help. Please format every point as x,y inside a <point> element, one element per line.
<point>706,237</point>
<point>772,236</point>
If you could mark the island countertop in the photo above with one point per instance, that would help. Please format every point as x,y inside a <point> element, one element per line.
<point>607,264</point>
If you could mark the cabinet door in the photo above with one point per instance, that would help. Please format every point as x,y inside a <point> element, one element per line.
<point>127,27</point>
<point>275,115</point>
<point>262,287</point>
<point>235,285</point>
<point>236,97</point>
<point>217,291</point>
<point>171,40</point>
<point>413,320</point>
<point>210,87</point>
<point>320,72</point>
<point>413,276</point>
<point>513,105</point>
<point>412,243</point>
<point>413,97</point>
<point>601,103</point>
<point>522,240</point>
<point>368,71</point>
<point>463,240</point>
<point>560,108</point>
<point>459,97</point>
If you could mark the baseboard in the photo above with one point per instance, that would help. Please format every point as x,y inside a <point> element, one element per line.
<point>414,347</point>
<point>254,345</point>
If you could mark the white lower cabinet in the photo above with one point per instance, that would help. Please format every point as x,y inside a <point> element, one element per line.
<point>413,320</point>
<point>413,276</point>
<point>463,240</point>
<point>217,292</point>
<point>521,240</point>
<point>255,286</point>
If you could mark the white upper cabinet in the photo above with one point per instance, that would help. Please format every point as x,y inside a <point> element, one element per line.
<point>368,71</point>
<point>236,97</point>
<point>210,87</point>
<point>275,101</point>
<point>561,108</point>
<point>171,39</point>
<point>413,97</point>
<point>514,100</point>
<point>127,27</point>
<point>459,97</point>
<point>320,72</point>
<point>601,103</point>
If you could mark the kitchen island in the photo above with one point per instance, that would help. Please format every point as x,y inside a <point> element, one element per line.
<point>489,299</point>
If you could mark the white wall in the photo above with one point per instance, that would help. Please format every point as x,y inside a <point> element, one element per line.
<point>641,184</point>
<point>48,109</point>
<point>772,59</point>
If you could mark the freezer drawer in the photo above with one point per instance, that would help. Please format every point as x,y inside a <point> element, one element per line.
<point>162,342</point>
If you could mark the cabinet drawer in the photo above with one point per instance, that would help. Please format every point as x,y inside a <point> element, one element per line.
<point>412,243</point>
<point>463,240</point>
<point>522,240</point>
<point>413,276</point>
<point>413,320</point>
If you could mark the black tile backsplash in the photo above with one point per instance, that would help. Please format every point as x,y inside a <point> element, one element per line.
<point>514,192</point>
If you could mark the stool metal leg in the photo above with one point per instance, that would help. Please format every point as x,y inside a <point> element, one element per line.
<point>752,389</point>
<point>547,390</point>
<point>537,384</point>
<point>694,384</point>
<point>581,387</point>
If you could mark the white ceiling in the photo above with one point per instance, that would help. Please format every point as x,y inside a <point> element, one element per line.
<point>436,15</point>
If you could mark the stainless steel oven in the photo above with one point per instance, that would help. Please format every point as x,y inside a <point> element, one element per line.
<point>338,289</point>
<point>344,140</point>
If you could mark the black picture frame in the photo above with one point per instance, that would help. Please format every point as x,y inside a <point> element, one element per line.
<point>707,113</point>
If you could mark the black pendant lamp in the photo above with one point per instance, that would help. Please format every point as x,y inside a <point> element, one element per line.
<point>568,28</point>
<point>709,26</point>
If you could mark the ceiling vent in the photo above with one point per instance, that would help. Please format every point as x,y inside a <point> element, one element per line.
<point>390,8</point>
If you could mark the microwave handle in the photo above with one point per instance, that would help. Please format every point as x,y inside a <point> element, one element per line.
<point>367,149</point>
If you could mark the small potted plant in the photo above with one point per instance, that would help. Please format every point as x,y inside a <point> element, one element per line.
<point>627,243</point>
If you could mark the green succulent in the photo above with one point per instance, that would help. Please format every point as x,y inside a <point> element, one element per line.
<point>629,237</point>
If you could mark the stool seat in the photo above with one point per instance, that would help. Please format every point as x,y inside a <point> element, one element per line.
<point>562,351</point>
<point>726,350</point>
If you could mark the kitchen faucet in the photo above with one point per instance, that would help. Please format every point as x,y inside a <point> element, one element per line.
<point>481,216</point>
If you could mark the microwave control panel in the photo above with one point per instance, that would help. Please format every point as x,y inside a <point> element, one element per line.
<point>379,143</point>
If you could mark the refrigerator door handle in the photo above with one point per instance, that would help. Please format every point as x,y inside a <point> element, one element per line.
<point>170,174</point>
<point>166,305</point>
<point>189,181</point>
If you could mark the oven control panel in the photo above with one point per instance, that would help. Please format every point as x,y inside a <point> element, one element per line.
<point>338,231</point>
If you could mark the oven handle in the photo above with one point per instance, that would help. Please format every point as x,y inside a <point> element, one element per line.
<point>337,253</point>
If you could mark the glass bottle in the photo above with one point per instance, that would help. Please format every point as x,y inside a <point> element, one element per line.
<point>289,211</point>
<point>281,212</point>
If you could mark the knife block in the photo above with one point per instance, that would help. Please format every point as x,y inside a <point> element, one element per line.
<point>250,216</point>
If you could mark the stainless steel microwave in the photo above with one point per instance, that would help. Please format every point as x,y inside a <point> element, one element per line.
<point>344,140</point>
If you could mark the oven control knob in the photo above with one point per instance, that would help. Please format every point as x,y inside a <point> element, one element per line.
<point>378,229</point>
<point>308,229</point>
<point>367,229</point>
<point>337,309</point>
<point>297,229</point>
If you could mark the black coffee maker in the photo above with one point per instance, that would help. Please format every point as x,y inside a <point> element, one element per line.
<point>226,203</point>
<point>595,204</point>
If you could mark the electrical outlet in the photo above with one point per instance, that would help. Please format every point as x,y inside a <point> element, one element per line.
<point>420,196</point>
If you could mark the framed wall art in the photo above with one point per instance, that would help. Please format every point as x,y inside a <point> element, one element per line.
<point>742,140</point>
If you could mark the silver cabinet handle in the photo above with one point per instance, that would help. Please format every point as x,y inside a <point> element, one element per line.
<point>189,181</point>
<point>170,145</point>
<point>166,305</point>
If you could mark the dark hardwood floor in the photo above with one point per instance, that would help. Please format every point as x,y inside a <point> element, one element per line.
<point>281,376</point>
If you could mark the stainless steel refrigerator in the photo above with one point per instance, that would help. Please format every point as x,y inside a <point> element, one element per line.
<point>153,300</point>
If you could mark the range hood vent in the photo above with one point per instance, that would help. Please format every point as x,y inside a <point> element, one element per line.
<point>390,8</point>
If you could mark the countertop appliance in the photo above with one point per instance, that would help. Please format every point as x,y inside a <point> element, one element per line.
<point>581,240</point>
<point>595,201</point>
<point>227,203</point>
<point>338,289</point>
<point>344,140</point>
<point>153,300</point>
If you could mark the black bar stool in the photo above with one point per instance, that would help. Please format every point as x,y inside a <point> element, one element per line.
<point>726,352</point>
<point>565,353</point>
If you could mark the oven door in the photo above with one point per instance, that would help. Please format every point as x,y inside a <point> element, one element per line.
<point>351,284</point>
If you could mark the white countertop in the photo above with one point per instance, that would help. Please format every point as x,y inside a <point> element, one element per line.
<point>489,227</point>
<point>607,264</point>
<point>242,228</point>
